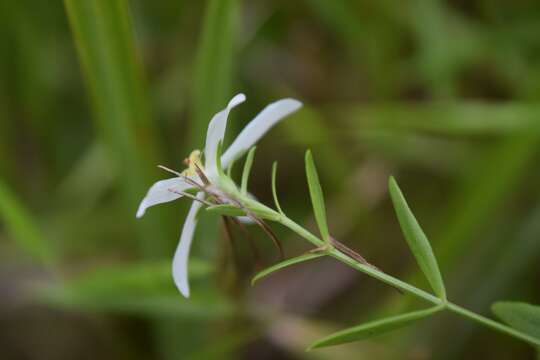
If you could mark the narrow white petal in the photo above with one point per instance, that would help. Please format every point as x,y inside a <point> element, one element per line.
<point>267,118</point>
<point>246,220</point>
<point>216,131</point>
<point>161,192</point>
<point>181,256</point>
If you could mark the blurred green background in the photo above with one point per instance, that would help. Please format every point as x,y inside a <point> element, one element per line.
<point>95,93</point>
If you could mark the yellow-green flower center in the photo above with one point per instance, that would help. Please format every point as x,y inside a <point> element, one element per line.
<point>193,161</point>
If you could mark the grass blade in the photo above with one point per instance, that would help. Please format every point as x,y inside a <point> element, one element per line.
<point>521,316</point>
<point>142,289</point>
<point>139,278</point>
<point>374,328</point>
<point>214,64</point>
<point>22,227</point>
<point>247,169</point>
<point>102,32</point>
<point>462,118</point>
<point>164,306</point>
<point>417,240</point>
<point>317,198</point>
<point>284,264</point>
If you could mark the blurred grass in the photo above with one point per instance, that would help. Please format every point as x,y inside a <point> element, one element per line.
<point>103,34</point>
<point>23,228</point>
<point>441,94</point>
<point>502,268</point>
<point>143,289</point>
<point>214,65</point>
<point>464,119</point>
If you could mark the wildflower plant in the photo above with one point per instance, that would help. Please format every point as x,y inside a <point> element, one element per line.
<point>212,188</point>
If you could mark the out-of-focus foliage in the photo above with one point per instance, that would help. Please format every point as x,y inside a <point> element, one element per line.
<point>441,94</point>
<point>522,316</point>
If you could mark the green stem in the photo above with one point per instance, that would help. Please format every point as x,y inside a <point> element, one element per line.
<point>493,324</point>
<point>366,269</point>
<point>285,221</point>
<point>405,287</point>
<point>388,279</point>
<point>385,278</point>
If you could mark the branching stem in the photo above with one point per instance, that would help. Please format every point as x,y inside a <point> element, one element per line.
<point>374,272</point>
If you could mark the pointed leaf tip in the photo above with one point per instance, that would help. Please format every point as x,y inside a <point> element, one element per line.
<point>317,197</point>
<point>417,240</point>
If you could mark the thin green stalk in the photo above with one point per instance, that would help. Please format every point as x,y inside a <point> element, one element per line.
<point>285,221</point>
<point>493,324</point>
<point>366,269</point>
<point>390,280</point>
<point>385,278</point>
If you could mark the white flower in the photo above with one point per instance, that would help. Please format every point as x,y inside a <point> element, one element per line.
<point>171,189</point>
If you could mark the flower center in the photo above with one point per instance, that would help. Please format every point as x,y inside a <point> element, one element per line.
<point>192,162</point>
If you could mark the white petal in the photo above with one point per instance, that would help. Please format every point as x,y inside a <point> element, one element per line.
<point>246,220</point>
<point>267,118</point>
<point>161,192</point>
<point>181,256</point>
<point>216,132</point>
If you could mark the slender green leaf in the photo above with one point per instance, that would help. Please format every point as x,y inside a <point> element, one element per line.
<point>283,264</point>
<point>490,183</point>
<point>521,316</point>
<point>317,198</point>
<point>274,188</point>
<point>374,328</point>
<point>498,272</point>
<point>417,240</point>
<point>22,227</point>
<point>214,64</point>
<point>247,169</point>
<point>226,210</point>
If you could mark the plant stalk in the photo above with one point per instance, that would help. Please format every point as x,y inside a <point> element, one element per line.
<point>399,284</point>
